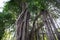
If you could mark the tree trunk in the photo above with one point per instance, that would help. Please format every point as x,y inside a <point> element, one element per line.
<point>44,14</point>
<point>53,24</point>
<point>22,24</point>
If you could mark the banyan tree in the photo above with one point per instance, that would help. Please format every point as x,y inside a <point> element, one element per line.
<point>36,20</point>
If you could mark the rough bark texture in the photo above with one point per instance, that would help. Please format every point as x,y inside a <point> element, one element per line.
<point>48,25</point>
<point>22,24</point>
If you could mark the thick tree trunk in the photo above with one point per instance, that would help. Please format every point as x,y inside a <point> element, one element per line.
<point>45,19</point>
<point>22,23</point>
<point>51,28</point>
<point>54,26</point>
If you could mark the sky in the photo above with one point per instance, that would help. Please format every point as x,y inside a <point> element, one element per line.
<point>2,3</point>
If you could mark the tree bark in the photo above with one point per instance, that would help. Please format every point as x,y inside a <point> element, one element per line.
<point>53,24</point>
<point>44,14</point>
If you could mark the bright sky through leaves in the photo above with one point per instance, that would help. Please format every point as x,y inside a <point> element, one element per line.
<point>2,2</point>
